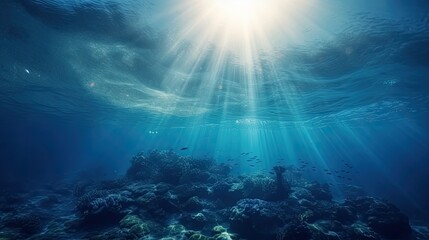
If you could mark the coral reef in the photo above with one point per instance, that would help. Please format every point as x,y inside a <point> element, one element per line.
<point>166,196</point>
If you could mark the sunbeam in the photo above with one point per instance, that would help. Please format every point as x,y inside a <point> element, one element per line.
<point>224,53</point>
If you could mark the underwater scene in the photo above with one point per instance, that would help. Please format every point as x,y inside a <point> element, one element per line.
<point>214,119</point>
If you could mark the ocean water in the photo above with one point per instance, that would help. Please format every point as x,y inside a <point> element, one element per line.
<point>337,92</point>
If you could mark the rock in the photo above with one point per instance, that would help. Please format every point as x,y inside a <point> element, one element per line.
<point>198,236</point>
<point>193,204</point>
<point>194,221</point>
<point>199,220</point>
<point>187,191</point>
<point>102,208</point>
<point>26,223</point>
<point>147,200</point>
<point>320,191</point>
<point>129,221</point>
<point>169,167</point>
<point>140,230</point>
<point>382,217</point>
<point>260,187</point>
<point>218,229</point>
<point>257,218</point>
<point>227,191</point>
<point>363,232</point>
<point>134,225</point>
<point>305,203</point>
<point>331,225</point>
<point>345,215</point>
<point>175,229</point>
<point>297,231</point>
<point>49,201</point>
<point>223,236</point>
<point>300,193</point>
<point>283,188</point>
<point>390,225</point>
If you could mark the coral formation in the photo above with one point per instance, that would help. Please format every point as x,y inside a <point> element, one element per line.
<point>167,196</point>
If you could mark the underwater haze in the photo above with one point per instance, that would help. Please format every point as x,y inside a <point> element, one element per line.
<point>214,119</point>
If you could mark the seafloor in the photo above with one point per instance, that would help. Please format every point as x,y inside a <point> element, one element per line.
<point>167,196</point>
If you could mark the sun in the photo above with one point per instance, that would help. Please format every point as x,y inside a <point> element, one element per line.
<point>238,30</point>
<point>239,11</point>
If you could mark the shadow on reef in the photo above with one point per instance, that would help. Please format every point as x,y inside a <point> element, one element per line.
<point>167,196</point>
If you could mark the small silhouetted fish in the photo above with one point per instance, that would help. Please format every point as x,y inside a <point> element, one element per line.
<point>249,160</point>
<point>349,179</point>
<point>329,173</point>
<point>236,164</point>
<point>251,165</point>
<point>271,172</point>
<point>184,148</point>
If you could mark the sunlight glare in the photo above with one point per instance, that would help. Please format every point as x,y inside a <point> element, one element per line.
<point>240,11</point>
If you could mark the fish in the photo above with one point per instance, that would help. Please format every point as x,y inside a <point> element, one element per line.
<point>184,148</point>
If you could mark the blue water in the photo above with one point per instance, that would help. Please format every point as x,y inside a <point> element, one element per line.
<point>86,84</point>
